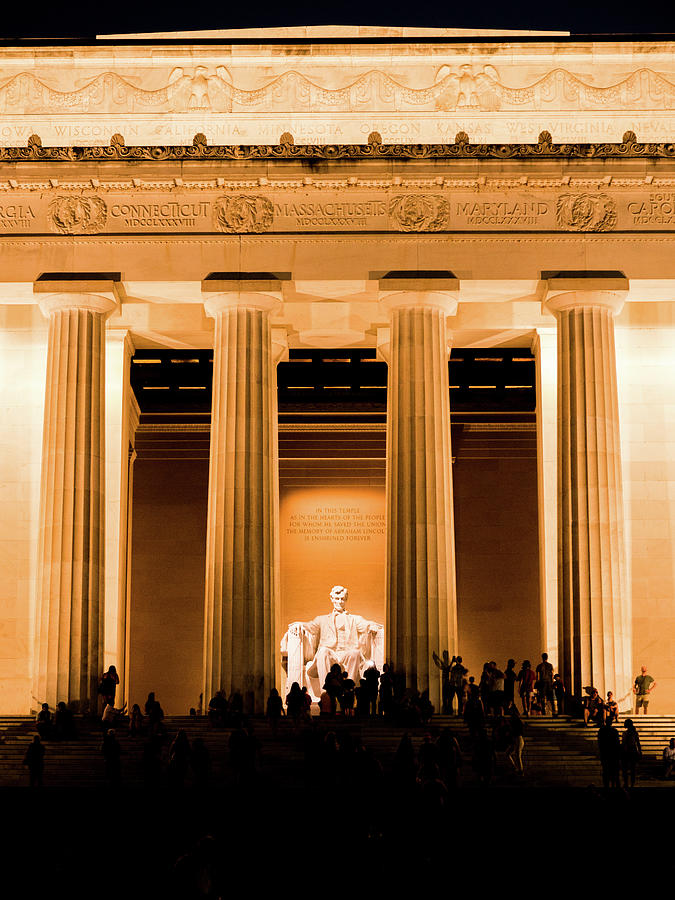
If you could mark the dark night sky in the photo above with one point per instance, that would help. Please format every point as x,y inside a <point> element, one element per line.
<point>85,19</point>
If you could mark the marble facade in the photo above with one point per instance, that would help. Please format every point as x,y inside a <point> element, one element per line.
<point>401,192</point>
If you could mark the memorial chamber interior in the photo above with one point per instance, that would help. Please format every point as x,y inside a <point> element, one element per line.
<point>332,411</point>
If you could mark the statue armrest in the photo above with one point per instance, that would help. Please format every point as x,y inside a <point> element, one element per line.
<point>293,646</point>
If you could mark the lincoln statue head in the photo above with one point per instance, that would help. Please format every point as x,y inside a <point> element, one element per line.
<point>339,595</point>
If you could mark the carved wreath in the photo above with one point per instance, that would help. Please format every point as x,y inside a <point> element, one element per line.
<point>243,214</point>
<point>420,212</point>
<point>78,215</point>
<point>586,212</point>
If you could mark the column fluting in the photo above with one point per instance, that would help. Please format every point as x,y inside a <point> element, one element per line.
<point>593,602</point>
<point>243,473</point>
<point>420,583</point>
<point>69,628</point>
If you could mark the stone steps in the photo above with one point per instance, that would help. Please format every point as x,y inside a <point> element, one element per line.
<point>557,751</point>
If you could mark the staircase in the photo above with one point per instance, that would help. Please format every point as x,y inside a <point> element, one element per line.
<point>559,752</point>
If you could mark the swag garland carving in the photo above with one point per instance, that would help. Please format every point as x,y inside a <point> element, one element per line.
<point>212,88</point>
<point>286,149</point>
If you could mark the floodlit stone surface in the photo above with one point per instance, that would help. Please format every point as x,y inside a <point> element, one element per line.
<point>69,630</point>
<point>421,591</point>
<point>241,540</point>
<point>594,606</point>
<point>506,225</point>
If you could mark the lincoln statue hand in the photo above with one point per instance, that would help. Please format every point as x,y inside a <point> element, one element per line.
<point>338,637</point>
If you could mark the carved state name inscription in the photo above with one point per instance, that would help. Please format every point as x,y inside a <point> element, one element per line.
<point>316,210</point>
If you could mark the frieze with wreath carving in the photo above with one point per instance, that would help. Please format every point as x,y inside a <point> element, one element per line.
<point>420,212</point>
<point>586,212</point>
<point>77,214</point>
<point>243,214</point>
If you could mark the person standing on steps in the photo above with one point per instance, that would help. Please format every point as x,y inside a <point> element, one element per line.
<point>642,688</point>
<point>458,675</point>
<point>631,752</point>
<point>544,683</point>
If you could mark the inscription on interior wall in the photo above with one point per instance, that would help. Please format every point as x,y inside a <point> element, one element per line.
<point>340,524</point>
<point>396,209</point>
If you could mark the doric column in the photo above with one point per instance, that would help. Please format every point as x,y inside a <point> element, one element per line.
<point>69,630</point>
<point>421,598</point>
<point>594,607</point>
<point>239,646</point>
<point>121,418</point>
<point>544,350</point>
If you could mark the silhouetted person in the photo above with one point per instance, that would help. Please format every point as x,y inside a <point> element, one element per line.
<point>458,673</point>
<point>631,752</point>
<point>347,697</point>
<point>136,724</point>
<point>45,722</point>
<point>333,685</point>
<point>112,753</point>
<point>200,759</point>
<point>218,709</point>
<point>611,709</point>
<point>559,694</point>
<point>307,704</point>
<point>154,714</point>
<point>111,715</point>
<point>444,663</point>
<point>179,759</point>
<point>545,683</point>
<point>515,751</point>
<point>386,690</point>
<point>510,678</point>
<point>275,709</point>
<point>609,748</point>
<point>64,723</point>
<point>295,702</point>
<point>526,679</point>
<point>372,679</point>
<point>35,760</point>
<point>108,685</point>
<point>669,758</point>
<point>593,707</point>
<point>474,715</point>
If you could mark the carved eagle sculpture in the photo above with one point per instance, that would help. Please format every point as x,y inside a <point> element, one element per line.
<point>463,88</point>
<point>200,89</point>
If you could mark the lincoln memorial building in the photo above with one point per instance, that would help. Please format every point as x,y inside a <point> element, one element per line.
<point>285,309</point>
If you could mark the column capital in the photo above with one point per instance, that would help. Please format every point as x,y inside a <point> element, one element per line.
<point>584,290</point>
<point>244,290</point>
<point>218,303</point>
<point>444,300</point>
<point>419,290</point>
<point>97,292</point>
<point>96,303</point>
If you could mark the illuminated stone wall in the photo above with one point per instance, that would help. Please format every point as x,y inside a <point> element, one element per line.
<point>167,599</point>
<point>646,371</point>
<point>22,389</point>
<point>497,561</point>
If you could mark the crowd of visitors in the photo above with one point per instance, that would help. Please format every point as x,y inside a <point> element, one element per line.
<point>488,707</point>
